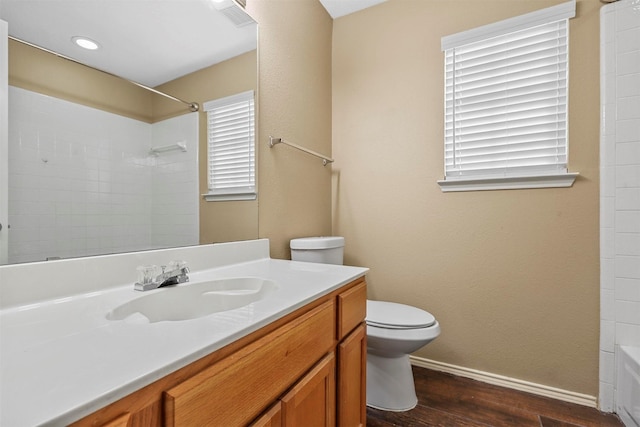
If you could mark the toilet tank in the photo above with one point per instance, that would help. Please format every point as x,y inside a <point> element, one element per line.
<point>325,250</point>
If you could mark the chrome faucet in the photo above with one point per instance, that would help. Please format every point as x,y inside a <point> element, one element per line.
<point>149,277</point>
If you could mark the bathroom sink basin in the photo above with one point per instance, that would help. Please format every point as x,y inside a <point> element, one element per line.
<point>194,300</point>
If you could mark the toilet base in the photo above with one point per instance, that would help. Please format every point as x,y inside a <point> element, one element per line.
<point>390,385</point>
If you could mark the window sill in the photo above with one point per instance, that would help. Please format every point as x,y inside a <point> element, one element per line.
<point>509,183</point>
<point>229,197</point>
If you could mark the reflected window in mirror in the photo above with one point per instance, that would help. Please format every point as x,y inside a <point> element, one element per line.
<point>231,148</point>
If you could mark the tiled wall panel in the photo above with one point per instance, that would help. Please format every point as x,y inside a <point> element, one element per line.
<point>619,188</point>
<point>81,180</point>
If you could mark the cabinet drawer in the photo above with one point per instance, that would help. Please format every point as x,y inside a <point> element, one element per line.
<point>235,390</point>
<point>352,308</point>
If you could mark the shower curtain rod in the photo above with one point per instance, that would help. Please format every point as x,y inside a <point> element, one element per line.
<point>193,106</point>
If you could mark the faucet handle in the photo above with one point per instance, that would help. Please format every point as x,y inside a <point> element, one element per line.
<point>147,273</point>
<point>177,265</point>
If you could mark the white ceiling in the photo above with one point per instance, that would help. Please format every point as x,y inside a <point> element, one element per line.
<point>338,8</point>
<point>150,42</point>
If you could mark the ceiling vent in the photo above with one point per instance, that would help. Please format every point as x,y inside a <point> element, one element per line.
<point>234,12</point>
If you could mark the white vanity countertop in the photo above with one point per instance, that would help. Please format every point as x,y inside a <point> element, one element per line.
<point>61,359</point>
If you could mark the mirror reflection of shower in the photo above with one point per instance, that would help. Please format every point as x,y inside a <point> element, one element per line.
<point>83,181</point>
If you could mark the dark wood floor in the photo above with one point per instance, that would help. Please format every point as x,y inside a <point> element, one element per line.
<point>448,400</point>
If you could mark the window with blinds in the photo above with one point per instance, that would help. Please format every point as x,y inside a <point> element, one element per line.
<point>231,148</point>
<point>506,88</point>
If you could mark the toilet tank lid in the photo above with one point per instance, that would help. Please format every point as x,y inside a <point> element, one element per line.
<point>327,242</point>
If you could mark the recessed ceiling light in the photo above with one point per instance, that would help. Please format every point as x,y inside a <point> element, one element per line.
<point>85,43</point>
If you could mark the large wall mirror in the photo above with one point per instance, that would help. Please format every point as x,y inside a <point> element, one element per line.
<point>98,164</point>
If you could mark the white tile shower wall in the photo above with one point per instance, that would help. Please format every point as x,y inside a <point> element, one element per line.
<point>80,181</point>
<point>619,187</point>
<point>174,207</point>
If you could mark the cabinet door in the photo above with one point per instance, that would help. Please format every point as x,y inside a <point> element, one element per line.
<point>311,402</point>
<point>352,377</point>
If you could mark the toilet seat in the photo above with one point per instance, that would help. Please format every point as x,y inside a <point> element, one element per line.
<point>391,315</point>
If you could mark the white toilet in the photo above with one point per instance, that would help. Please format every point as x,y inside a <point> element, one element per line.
<point>393,331</point>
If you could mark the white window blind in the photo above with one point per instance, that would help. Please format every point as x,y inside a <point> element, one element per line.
<point>231,147</point>
<point>506,100</point>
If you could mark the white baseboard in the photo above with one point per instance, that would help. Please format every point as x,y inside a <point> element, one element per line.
<point>512,383</point>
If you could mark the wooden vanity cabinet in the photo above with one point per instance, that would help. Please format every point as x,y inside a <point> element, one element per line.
<point>346,401</point>
<point>237,389</point>
<point>304,370</point>
<point>310,403</point>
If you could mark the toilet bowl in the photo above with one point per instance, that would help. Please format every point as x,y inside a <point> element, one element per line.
<point>393,332</point>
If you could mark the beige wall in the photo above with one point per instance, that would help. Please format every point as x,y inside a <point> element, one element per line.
<point>219,221</point>
<point>294,56</point>
<point>38,71</point>
<point>512,276</point>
